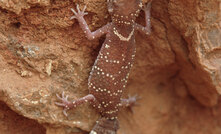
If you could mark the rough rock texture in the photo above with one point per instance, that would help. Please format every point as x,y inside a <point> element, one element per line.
<point>12,123</point>
<point>177,69</point>
<point>200,27</point>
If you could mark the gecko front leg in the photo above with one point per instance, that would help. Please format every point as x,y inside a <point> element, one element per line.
<point>79,15</point>
<point>147,28</point>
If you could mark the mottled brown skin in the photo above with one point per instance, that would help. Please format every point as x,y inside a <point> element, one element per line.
<point>111,69</point>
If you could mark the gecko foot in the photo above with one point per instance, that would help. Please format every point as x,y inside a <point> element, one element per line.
<point>79,13</point>
<point>64,103</point>
<point>133,102</point>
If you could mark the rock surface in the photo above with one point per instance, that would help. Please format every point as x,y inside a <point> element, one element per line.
<point>177,68</point>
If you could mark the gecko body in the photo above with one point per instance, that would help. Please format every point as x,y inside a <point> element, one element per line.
<point>110,72</point>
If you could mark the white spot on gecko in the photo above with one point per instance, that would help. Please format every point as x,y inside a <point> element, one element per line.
<point>93,132</point>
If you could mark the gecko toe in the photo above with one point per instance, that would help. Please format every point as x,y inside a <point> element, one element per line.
<point>84,8</point>
<point>66,98</point>
<point>85,13</point>
<point>65,112</point>
<point>139,98</point>
<point>60,104</point>
<point>73,17</point>
<point>63,95</point>
<point>78,8</point>
<point>58,96</point>
<point>73,11</point>
<point>131,109</point>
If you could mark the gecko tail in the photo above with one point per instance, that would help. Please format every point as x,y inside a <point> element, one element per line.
<point>105,126</point>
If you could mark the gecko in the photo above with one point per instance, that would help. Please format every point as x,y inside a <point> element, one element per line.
<point>110,72</point>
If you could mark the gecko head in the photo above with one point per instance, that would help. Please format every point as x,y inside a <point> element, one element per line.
<point>124,7</point>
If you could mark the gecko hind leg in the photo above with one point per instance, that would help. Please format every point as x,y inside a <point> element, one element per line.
<point>73,104</point>
<point>130,102</point>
